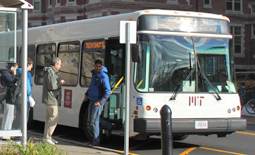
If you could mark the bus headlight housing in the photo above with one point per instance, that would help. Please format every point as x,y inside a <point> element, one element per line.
<point>155,109</point>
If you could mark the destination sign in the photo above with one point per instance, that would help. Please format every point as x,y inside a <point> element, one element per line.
<point>94,45</point>
<point>182,24</point>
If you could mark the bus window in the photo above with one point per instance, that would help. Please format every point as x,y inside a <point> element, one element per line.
<point>215,63</point>
<point>68,52</point>
<point>91,51</point>
<point>165,64</point>
<point>45,53</point>
<point>115,63</point>
<point>31,55</point>
<point>11,54</point>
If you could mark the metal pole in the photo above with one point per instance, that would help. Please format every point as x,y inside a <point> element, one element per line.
<point>166,131</point>
<point>24,78</point>
<point>126,136</point>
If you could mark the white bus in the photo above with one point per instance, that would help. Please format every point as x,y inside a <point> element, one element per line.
<point>183,60</point>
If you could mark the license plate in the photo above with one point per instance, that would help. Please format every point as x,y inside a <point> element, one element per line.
<point>201,124</point>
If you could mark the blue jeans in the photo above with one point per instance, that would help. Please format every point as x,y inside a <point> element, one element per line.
<point>28,110</point>
<point>94,113</point>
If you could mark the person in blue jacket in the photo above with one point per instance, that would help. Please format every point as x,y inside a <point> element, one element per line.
<point>98,92</point>
<point>29,82</point>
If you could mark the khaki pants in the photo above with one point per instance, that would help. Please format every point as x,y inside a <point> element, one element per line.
<point>51,120</point>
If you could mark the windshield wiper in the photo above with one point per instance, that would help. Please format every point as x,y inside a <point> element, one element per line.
<point>217,96</point>
<point>198,69</point>
<point>173,97</point>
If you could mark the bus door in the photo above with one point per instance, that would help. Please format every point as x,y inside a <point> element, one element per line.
<point>115,62</point>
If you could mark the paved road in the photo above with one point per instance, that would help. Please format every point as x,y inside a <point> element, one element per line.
<point>238,143</point>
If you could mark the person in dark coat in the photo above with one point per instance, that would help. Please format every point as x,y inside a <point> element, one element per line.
<point>8,80</point>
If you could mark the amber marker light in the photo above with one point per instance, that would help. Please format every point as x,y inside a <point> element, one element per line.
<point>200,14</point>
<point>238,108</point>
<point>188,13</point>
<point>147,11</point>
<point>226,17</point>
<point>176,12</point>
<point>50,29</point>
<point>129,18</point>
<point>148,108</point>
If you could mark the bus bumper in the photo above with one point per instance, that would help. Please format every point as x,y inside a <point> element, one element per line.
<point>187,126</point>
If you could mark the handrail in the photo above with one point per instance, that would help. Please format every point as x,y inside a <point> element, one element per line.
<point>117,84</point>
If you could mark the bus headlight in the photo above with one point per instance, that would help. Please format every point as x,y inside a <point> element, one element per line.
<point>155,109</point>
<point>233,109</point>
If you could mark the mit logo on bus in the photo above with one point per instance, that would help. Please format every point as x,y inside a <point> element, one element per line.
<point>195,100</point>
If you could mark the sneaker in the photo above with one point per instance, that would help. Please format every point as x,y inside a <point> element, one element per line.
<point>45,140</point>
<point>109,132</point>
<point>56,142</point>
<point>93,144</point>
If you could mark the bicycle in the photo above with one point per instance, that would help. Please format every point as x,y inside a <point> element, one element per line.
<point>247,97</point>
<point>250,106</point>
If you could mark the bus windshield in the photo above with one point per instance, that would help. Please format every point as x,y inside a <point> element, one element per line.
<point>184,64</point>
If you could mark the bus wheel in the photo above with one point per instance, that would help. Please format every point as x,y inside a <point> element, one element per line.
<point>89,131</point>
<point>86,127</point>
<point>179,137</point>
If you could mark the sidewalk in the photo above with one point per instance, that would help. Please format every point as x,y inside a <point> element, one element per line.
<point>75,148</point>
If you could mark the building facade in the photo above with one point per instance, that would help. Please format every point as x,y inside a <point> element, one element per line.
<point>240,12</point>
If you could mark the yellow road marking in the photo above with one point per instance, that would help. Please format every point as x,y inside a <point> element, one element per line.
<point>117,151</point>
<point>206,148</point>
<point>188,151</point>
<point>246,133</point>
<point>112,150</point>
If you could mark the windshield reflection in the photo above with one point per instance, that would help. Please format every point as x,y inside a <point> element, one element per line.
<point>167,61</point>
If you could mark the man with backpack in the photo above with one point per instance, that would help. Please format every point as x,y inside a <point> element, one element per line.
<point>8,80</point>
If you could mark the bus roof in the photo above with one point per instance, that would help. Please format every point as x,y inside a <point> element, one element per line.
<point>102,27</point>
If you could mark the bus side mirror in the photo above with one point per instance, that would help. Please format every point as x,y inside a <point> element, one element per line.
<point>136,52</point>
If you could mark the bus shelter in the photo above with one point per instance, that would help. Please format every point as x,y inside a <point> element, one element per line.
<point>13,38</point>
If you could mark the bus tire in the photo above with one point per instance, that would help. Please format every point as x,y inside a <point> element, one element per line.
<point>86,128</point>
<point>179,137</point>
<point>89,132</point>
